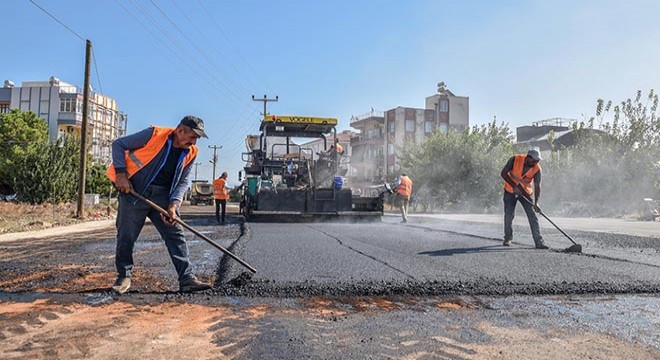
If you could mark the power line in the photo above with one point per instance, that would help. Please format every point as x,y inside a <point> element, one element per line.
<point>96,69</point>
<point>213,46</point>
<point>231,43</point>
<point>167,34</point>
<point>196,47</point>
<point>173,40</point>
<point>58,21</point>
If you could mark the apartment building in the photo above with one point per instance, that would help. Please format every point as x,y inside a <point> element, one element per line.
<point>60,104</point>
<point>383,134</point>
<point>368,146</point>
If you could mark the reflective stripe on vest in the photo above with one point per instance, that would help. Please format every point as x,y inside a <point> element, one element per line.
<point>526,180</point>
<point>219,191</point>
<point>405,188</point>
<point>139,158</point>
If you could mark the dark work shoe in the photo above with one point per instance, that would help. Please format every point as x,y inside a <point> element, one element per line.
<point>542,246</point>
<point>192,284</point>
<point>507,242</point>
<point>121,285</point>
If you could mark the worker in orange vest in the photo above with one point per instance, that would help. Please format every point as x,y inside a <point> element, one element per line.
<point>221,195</point>
<point>403,191</point>
<point>522,177</point>
<point>156,163</point>
<point>336,150</point>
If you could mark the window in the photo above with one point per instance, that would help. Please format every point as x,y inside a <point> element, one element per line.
<point>391,126</point>
<point>443,128</point>
<point>390,149</point>
<point>410,125</point>
<point>68,105</point>
<point>444,106</point>
<point>428,127</point>
<point>43,106</point>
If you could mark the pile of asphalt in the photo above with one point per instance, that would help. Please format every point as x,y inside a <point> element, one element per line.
<point>428,288</point>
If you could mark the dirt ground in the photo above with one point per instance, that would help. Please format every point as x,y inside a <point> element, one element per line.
<point>55,303</point>
<point>148,329</point>
<point>19,217</point>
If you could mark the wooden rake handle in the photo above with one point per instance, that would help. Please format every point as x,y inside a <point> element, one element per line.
<point>204,237</point>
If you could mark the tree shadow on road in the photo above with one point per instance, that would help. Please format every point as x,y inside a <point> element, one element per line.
<point>459,251</point>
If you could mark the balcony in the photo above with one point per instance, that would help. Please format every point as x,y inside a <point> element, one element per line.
<point>373,115</point>
<point>363,161</point>
<point>363,140</point>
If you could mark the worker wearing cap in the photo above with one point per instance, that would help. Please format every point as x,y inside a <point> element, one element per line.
<point>522,178</point>
<point>221,195</point>
<point>155,163</point>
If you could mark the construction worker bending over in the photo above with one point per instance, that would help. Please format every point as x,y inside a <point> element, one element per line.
<point>522,176</point>
<point>403,191</point>
<point>156,163</point>
<point>336,150</point>
<point>221,195</point>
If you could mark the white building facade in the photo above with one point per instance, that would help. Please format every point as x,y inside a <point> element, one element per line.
<point>60,104</point>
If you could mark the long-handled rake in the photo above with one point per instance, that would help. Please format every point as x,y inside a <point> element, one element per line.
<point>204,237</point>
<point>575,248</point>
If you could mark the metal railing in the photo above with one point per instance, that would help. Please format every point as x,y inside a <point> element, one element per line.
<point>372,113</point>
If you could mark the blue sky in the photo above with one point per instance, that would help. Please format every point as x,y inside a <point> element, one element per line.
<point>521,61</point>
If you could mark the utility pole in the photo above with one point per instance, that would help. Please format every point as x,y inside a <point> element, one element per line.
<point>196,164</point>
<point>265,101</point>
<point>83,134</point>
<point>214,161</point>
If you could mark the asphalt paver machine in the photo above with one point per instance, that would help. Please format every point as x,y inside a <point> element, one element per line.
<point>287,181</point>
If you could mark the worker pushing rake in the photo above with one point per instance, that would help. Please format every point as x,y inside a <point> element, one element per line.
<point>151,170</point>
<point>522,176</point>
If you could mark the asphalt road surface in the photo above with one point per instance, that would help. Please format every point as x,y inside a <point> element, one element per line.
<point>432,288</point>
<point>437,257</point>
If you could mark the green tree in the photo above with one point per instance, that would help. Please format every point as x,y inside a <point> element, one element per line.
<point>21,135</point>
<point>96,182</point>
<point>50,174</point>
<point>459,170</point>
<point>614,163</point>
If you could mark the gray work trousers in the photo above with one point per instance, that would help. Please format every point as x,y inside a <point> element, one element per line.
<point>510,201</point>
<point>130,220</point>
<point>403,202</point>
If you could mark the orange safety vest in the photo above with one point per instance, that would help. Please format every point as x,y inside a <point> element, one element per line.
<point>405,188</point>
<point>139,158</point>
<point>219,191</point>
<point>526,180</point>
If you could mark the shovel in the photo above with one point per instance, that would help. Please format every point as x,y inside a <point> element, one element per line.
<point>177,220</point>
<point>575,248</point>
